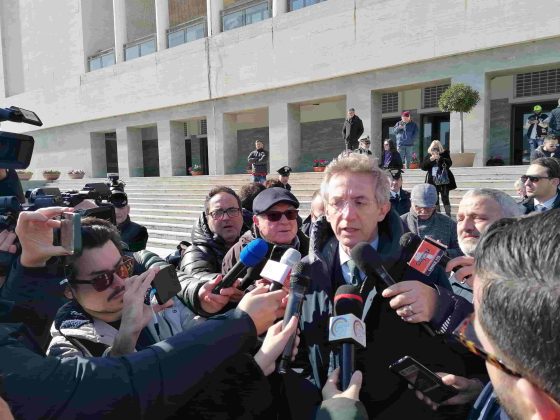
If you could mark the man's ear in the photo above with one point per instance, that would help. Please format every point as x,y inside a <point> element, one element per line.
<point>255,220</point>
<point>383,210</point>
<point>542,405</point>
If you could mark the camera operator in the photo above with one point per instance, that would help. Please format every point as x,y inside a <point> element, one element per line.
<point>133,234</point>
<point>137,380</point>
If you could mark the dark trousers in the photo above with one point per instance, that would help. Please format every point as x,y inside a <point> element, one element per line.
<point>443,190</point>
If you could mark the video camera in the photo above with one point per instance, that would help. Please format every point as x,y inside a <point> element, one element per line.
<point>16,149</point>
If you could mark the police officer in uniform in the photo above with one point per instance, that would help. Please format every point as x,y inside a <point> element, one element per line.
<point>133,234</point>
<point>284,176</point>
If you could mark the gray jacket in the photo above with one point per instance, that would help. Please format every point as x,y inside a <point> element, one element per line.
<point>439,227</point>
<point>259,160</point>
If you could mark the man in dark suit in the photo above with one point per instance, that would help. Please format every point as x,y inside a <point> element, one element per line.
<point>352,129</point>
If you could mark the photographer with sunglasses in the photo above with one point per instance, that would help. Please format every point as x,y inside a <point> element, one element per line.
<point>541,185</point>
<point>275,214</point>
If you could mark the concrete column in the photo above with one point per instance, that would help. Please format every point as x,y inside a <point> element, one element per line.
<point>376,125</point>
<point>129,149</point>
<point>284,135</point>
<point>171,147</point>
<point>119,21</point>
<point>162,23</point>
<point>222,142</point>
<point>214,16</point>
<point>359,98</point>
<point>476,123</point>
<point>279,7</point>
<point>98,155</point>
<point>2,71</point>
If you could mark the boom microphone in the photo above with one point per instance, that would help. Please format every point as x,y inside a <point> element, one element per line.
<point>250,256</point>
<point>299,283</point>
<point>368,261</point>
<point>347,327</point>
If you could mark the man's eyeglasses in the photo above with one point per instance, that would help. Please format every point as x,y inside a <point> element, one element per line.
<point>275,216</point>
<point>102,282</point>
<point>533,178</point>
<point>466,335</point>
<point>358,204</point>
<point>219,214</point>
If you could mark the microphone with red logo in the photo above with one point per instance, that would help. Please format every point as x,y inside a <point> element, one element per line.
<point>348,329</point>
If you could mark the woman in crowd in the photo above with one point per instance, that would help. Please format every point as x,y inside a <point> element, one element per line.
<point>391,158</point>
<point>437,163</point>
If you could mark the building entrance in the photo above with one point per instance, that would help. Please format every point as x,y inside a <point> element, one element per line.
<point>520,151</point>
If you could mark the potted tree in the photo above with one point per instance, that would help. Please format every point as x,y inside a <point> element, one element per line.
<point>460,98</point>
<point>24,175</point>
<point>76,173</point>
<point>196,170</point>
<point>51,174</point>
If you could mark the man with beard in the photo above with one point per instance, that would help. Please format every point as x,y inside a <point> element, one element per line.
<point>217,230</point>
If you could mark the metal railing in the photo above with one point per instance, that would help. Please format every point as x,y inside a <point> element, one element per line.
<point>245,14</point>
<point>186,32</point>
<point>101,59</point>
<point>140,47</point>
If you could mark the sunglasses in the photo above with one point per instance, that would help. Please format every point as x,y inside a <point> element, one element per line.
<point>532,178</point>
<point>219,214</point>
<point>103,281</point>
<point>466,335</point>
<point>275,216</point>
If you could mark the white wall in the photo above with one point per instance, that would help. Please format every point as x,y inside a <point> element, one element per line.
<point>315,43</point>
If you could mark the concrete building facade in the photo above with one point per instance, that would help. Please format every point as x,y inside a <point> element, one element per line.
<point>151,87</point>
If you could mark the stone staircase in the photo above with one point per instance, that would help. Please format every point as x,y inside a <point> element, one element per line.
<point>168,207</point>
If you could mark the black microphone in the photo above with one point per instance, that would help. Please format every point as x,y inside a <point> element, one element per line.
<point>410,242</point>
<point>250,256</point>
<point>299,283</point>
<point>347,328</point>
<point>369,262</point>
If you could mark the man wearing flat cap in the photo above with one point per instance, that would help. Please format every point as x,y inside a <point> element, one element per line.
<point>284,176</point>
<point>400,199</point>
<point>275,214</point>
<point>133,234</point>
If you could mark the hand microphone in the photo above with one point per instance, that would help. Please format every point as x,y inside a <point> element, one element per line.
<point>368,261</point>
<point>278,272</point>
<point>425,254</point>
<point>253,274</point>
<point>299,283</point>
<point>250,256</point>
<point>347,327</point>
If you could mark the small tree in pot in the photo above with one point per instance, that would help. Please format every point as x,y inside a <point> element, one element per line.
<point>459,98</point>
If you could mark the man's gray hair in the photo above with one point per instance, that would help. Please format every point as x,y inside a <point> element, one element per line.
<point>508,205</point>
<point>358,164</point>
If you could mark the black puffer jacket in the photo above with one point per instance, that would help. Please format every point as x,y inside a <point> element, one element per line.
<point>201,263</point>
<point>444,159</point>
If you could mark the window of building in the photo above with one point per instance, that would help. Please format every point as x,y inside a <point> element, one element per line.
<point>186,32</point>
<point>300,4</point>
<point>430,95</point>
<point>140,47</point>
<point>245,14</point>
<point>537,83</point>
<point>390,102</point>
<point>102,59</point>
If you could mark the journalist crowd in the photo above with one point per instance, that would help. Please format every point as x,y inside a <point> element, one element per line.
<point>380,304</point>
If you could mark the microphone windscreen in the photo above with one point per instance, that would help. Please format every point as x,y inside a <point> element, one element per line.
<point>347,300</point>
<point>291,257</point>
<point>365,257</point>
<point>300,274</point>
<point>410,241</point>
<point>254,252</point>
